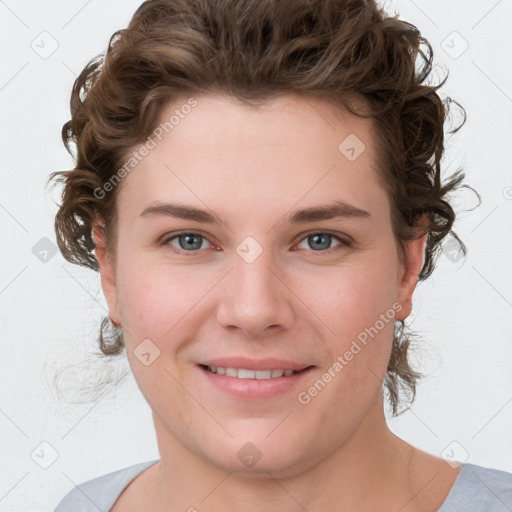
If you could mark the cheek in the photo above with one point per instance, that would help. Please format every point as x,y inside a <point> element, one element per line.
<point>155,303</point>
<point>154,297</point>
<point>357,296</point>
<point>361,307</point>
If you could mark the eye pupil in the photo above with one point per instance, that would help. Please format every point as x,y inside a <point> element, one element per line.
<point>317,240</point>
<point>195,245</point>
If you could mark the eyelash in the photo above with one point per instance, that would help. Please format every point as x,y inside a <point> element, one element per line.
<point>344,243</point>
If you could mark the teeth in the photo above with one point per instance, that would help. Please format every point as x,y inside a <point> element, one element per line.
<point>242,373</point>
<point>230,372</point>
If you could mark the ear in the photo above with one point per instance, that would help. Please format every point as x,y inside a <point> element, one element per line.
<point>107,271</point>
<point>409,272</point>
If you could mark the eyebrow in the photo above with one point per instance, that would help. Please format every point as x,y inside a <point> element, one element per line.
<point>336,210</point>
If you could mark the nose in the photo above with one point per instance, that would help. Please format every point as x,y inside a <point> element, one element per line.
<point>255,298</point>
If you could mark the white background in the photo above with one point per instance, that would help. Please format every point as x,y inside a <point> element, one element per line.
<point>51,310</point>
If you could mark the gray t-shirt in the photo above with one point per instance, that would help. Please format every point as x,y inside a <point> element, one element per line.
<point>476,489</point>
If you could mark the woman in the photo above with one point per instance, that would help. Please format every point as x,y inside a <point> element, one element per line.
<point>258,184</point>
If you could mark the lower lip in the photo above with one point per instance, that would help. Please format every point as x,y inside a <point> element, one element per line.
<point>255,389</point>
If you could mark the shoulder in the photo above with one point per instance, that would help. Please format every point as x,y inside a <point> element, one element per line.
<point>480,489</point>
<point>100,493</point>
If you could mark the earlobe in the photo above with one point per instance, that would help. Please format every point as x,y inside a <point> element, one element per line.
<point>415,259</point>
<point>106,269</point>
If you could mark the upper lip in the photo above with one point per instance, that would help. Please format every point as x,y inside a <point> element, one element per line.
<point>255,364</point>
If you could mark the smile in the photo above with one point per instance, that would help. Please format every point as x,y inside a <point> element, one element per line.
<point>243,373</point>
<point>255,383</point>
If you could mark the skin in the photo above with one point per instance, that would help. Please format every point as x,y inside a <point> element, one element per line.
<point>252,167</point>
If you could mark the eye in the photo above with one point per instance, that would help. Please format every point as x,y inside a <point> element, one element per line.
<point>188,241</point>
<point>321,241</point>
<point>318,241</point>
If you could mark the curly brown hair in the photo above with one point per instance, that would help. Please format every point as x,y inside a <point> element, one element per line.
<point>255,50</point>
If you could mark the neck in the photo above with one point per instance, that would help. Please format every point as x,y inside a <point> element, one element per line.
<point>368,471</point>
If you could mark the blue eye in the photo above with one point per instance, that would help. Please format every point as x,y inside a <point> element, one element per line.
<point>188,241</point>
<point>318,241</point>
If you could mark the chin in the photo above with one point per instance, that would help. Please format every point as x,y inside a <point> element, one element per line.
<point>262,449</point>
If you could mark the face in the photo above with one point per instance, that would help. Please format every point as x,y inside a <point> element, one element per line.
<point>259,282</point>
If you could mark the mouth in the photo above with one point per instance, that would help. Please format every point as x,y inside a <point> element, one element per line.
<point>244,373</point>
<point>262,381</point>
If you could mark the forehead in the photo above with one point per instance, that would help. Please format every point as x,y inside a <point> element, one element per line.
<point>308,118</point>
<point>291,148</point>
